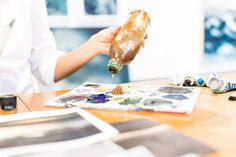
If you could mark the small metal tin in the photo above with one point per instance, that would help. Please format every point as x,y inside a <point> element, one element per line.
<point>8,102</point>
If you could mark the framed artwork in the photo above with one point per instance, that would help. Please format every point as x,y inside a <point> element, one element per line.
<point>82,13</point>
<point>57,11</point>
<point>220,28</point>
<point>99,12</point>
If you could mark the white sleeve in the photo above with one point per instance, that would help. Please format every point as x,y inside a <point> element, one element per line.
<point>44,53</point>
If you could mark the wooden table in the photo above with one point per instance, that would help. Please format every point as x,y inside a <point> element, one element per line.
<point>213,121</point>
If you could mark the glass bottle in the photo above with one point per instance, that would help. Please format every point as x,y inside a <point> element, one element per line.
<point>127,42</point>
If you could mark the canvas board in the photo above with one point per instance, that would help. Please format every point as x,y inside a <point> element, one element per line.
<point>139,98</point>
<point>50,130</point>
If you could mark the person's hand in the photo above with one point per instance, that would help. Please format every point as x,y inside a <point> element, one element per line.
<point>101,41</point>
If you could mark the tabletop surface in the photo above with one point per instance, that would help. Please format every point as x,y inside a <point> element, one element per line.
<point>212,122</point>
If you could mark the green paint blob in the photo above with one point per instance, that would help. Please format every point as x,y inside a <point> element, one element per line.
<point>130,101</point>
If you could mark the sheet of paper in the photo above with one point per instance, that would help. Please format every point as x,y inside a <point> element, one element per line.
<point>50,130</point>
<point>139,151</point>
<point>160,139</point>
<point>149,98</point>
<point>99,149</point>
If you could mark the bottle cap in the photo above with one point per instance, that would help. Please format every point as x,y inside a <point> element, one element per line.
<point>201,82</point>
<point>8,102</point>
<point>114,66</point>
<point>214,83</point>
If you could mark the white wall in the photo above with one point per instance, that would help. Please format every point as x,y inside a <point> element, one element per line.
<point>175,44</point>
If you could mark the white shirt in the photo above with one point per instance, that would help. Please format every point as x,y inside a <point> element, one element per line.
<point>30,50</point>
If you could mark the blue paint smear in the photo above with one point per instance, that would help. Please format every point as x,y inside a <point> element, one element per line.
<point>98,98</point>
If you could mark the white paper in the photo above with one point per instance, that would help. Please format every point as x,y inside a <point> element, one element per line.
<point>139,151</point>
<point>94,150</point>
<point>50,130</point>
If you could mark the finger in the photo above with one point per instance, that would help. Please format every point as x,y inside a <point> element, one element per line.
<point>108,34</point>
<point>146,36</point>
<point>142,44</point>
<point>111,30</point>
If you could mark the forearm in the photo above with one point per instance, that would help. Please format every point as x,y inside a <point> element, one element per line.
<point>99,43</point>
<point>70,62</point>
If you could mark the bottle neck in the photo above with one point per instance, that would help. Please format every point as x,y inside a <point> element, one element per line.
<point>114,66</point>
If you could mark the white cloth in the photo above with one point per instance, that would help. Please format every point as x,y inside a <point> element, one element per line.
<point>30,50</point>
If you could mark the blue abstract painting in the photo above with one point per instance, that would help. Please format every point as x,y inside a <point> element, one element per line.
<point>220,29</point>
<point>57,7</point>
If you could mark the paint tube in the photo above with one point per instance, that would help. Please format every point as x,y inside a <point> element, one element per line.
<point>201,81</point>
<point>219,85</point>
<point>176,80</point>
<point>188,80</point>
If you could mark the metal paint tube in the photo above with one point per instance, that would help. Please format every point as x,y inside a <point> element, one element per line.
<point>176,80</point>
<point>201,81</point>
<point>219,85</point>
<point>188,80</point>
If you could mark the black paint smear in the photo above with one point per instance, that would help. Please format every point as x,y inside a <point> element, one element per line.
<point>82,90</point>
<point>156,102</point>
<point>178,90</point>
<point>92,85</point>
<point>175,97</point>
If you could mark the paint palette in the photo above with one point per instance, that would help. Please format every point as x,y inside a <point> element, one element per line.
<point>139,98</point>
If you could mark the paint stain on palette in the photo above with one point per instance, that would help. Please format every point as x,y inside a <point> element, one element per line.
<point>98,98</point>
<point>93,85</point>
<point>71,98</point>
<point>130,101</point>
<point>175,97</point>
<point>178,90</point>
<point>156,102</point>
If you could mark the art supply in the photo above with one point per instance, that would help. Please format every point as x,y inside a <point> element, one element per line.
<point>44,131</point>
<point>135,98</point>
<point>127,42</point>
<point>161,139</point>
<point>232,97</point>
<point>8,102</point>
<point>188,80</point>
<point>219,85</point>
<point>176,80</point>
<point>201,81</point>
